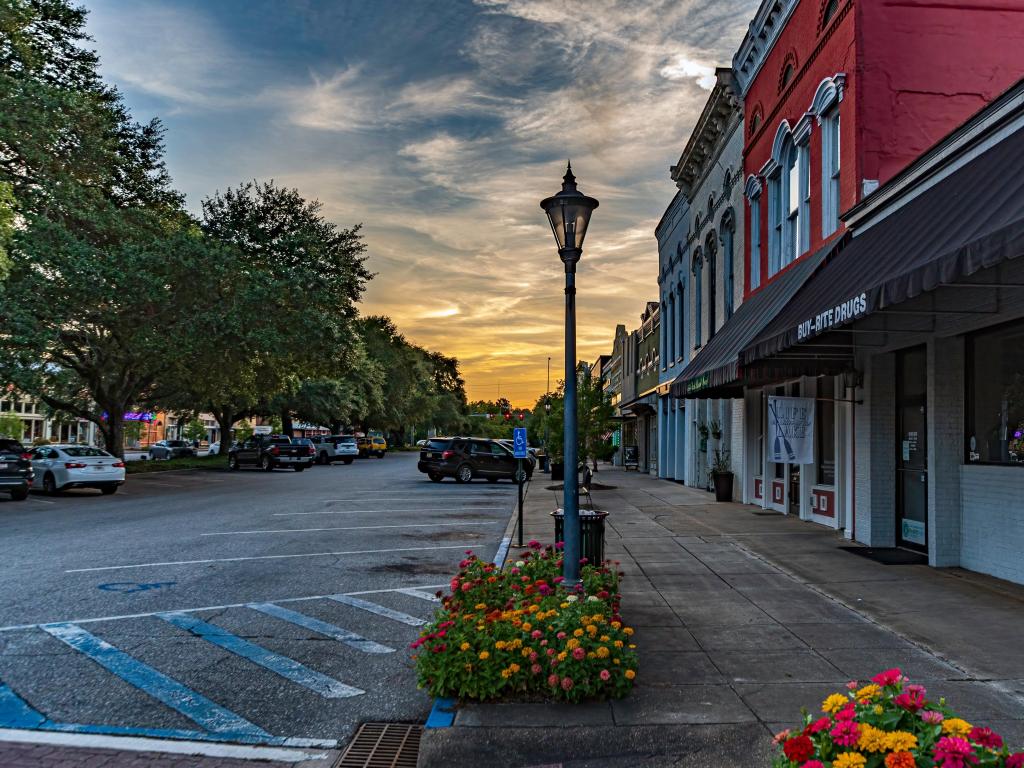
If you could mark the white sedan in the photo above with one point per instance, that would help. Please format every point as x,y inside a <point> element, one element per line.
<point>58,467</point>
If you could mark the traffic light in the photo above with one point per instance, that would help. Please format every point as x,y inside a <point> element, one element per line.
<point>508,415</point>
<point>522,416</point>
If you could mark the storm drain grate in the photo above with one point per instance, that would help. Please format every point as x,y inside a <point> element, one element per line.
<point>383,745</point>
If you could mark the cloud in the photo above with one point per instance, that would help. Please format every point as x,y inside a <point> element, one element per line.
<point>683,68</point>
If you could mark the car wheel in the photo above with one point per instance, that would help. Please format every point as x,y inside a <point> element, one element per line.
<point>298,468</point>
<point>233,463</point>
<point>435,477</point>
<point>49,484</point>
<point>322,459</point>
<point>267,464</point>
<point>19,494</point>
<point>464,473</point>
<point>380,454</point>
<point>107,490</point>
<point>348,461</point>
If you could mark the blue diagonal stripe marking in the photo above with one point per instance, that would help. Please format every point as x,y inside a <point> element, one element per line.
<point>322,627</point>
<point>196,707</point>
<point>15,711</point>
<point>287,668</point>
<point>380,610</point>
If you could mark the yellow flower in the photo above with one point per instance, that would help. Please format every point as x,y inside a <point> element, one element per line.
<point>514,668</point>
<point>500,645</point>
<point>605,638</point>
<point>849,760</point>
<point>591,655</point>
<point>872,739</point>
<point>533,608</point>
<point>956,727</point>
<point>572,643</point>
<point>506,673</point>
<point>834,703</point>
<point>591,629</point>
<point>562,656</point>
<point>630,674</point>
<point>469,667</point>
<point>577,633</point>
<point>628,630</point>
<point>464,647</point>
<point>868,692</point>
<point>618,643</point>
<point>615,661</point>
<point>631,645</point>
<point>480,606</point>
<point>563,605</point>
<point>484,656</point>
<point>879,709</point>
<point>616,624</point>
<point>525,652</point>
<point>527,626</point>
<point>901,741</point>
<point>603,653</point>
<point>597,618</point>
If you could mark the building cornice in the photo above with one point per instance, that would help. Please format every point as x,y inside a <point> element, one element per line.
<point>762,33</point>
<point>722,112</point>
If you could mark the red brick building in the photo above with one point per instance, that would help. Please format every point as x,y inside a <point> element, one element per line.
<point>841,95</point>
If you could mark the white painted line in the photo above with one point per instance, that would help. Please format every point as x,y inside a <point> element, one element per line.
<point>40,501</point>
<point>411,592</point>
<point>123,616</point>
<point>390,509</point>
<point>165,746</point>
<point>263,557</point>
<point>352,528</point>
<point>380,610</point>
<point>425,497</point>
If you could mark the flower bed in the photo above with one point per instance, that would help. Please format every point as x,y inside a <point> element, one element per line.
<point>517,633</point>
<point>890,722</point>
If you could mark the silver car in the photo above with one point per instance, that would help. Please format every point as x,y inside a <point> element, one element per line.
<point>171,449</point>
<point>58,467</point>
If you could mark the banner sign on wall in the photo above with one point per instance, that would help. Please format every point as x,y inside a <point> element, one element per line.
<point>790,435</point>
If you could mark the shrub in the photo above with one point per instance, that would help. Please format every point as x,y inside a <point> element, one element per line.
<point>516,632</point>
<point>890,723</point>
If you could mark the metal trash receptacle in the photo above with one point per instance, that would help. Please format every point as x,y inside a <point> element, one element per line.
<point>591,533</point>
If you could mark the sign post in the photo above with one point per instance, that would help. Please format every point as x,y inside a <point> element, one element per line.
<point>519,451</point>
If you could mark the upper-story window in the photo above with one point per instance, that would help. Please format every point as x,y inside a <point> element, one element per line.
<point>728,237</point>
<point>753,192</point>
<point>681,318</point>
<point>787,75</point>
<point>663,339</point>
<point>790,235</point>
<point>775,219</point>
<point>698,297</point>
<point>828,11</point>
<point>830,171</point>
<point>711,263</point>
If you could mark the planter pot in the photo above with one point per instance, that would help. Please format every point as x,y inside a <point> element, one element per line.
<point>557,470</point>
<point>723,485</point>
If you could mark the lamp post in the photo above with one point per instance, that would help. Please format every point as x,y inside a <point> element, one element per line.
<point>569,214</point>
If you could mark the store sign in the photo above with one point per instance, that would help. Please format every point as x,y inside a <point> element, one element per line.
<point>912,531</point>
<point>133,416</point>
<point>695,385</point>
<point>790,430</point>
<point>837,315</point>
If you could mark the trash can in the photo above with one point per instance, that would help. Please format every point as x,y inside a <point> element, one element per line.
<point>591,533</point>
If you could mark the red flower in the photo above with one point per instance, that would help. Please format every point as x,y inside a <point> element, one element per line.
<point>986,737</point>
<point>911,699</point>
<point>799,749</point>
<point>1016,760</point>
<point>888,677</point>
<point>820,725</point>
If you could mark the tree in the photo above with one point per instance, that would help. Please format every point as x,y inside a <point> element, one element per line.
<point>195,430</point>
<point>595,416</point>
<point>11,426</point>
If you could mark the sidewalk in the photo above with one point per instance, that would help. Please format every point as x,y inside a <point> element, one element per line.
<point>743,618</point>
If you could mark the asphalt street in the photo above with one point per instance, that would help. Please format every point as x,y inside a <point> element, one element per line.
<point>251,607</point>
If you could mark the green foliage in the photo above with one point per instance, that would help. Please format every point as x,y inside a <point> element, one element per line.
<point>11,426</point>
<point>516,633</point>
<point>185,462</point>
<point>132,431</point>
<point>195,430</point>
<point>594,420</point>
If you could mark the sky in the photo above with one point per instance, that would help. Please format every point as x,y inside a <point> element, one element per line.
<point>440,125</point>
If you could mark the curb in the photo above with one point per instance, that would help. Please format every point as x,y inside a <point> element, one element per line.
<point>442,714</point>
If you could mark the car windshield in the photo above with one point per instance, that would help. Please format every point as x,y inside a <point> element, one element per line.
<point>79,451</point>
<point>13,446</point>
<point>436,445</point>
<point>175,443</point>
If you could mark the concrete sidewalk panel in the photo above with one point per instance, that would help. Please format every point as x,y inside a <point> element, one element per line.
<point>826,636</point>
<point>781,702</point>
<point>863,663</point>
<point>747,638</point>
<point>553,715</point>
<point>661,668</point>
<point>664,639</point>
<point>769,666</point>
<point>681,704</point>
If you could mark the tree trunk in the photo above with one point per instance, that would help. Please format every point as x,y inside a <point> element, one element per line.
<point>225,420</point>
<point>286,423</point>
<point>113,432</point>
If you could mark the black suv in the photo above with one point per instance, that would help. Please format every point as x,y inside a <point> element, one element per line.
<point>467,457</point>
<point>15,469</point>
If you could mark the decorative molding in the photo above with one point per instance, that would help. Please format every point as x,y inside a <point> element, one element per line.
<point>752,189</point>
<point>830,91</point>
<point>788,62</point>
<point>782,133</point>
<point>802,130</point>
<point>764,29</point>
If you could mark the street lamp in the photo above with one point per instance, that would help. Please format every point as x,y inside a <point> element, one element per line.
<point>569,213</point>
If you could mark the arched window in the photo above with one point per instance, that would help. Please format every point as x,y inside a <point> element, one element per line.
<point>698,285</point>
<point>673,342</point>
<point>711,267</point>
<point>663,339</point>
<point>791,201</point>
<point>728,230</point>
<point>787,75</point>
<point>681,319</point>
<point>828,11</point>
<point>755,120</point>
<point>711,205</point>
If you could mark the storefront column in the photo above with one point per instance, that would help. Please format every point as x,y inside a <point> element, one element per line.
<point>680,439</point>
<point>876,462</point>
<point>945,448</point>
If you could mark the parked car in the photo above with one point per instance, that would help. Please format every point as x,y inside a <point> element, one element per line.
<point>214,449</point>
<point>269,452</point>
<point>77,466</point>
<point>331,448</point>
<point>372,446</point>
<point>171,449</point>
<point>466,458</point>
<point>16,473</point>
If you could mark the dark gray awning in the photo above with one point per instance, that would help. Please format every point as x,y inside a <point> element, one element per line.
<point>715,371</point>
<point>971,220</point>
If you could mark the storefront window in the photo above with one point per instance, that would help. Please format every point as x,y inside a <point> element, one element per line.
<point>826,419</point>
<point>995,396</point>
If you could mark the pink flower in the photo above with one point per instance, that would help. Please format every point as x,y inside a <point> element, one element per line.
<point>466,587</point>
<point>543,643</point>
<point>781,736</point>
<point>535,669</point>
<point>567,683</point>
<point>888,677</point>
<point>986,737</point>
<point>912,698</point>
<point>560,635</point>
<point>533,655</point>
<point>932,717</point>
<point>846,733</point>
<point>846,713</point>
<point>579,654</point>
<point>552,680</point>
<point>536,634</point>
<point>853,685</point>
<point>558,579</point>
<point>1016,760</point>
<point>605,674</point>
<point>954,752</point>
<point>551,651</point>
<point>820,725</point>
<point>813,764</point>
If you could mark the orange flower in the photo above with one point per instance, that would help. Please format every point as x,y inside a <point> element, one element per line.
<point>900,760</point>
<point>630,674</point>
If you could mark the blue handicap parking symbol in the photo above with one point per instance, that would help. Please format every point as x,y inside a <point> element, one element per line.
<point>519,443</point>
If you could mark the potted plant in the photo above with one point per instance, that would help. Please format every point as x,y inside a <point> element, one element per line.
<point>716,430</point>
<point>702,432</point>
<point>722,476</point>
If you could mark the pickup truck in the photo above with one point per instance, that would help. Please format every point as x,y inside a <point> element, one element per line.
<point>336,448</point>
<point>15,469</point>
<point>268,452</point>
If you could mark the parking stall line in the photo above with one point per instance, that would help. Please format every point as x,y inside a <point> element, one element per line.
<point>380,610</point>
<point>421,595</point>
<point>15,711</point>
<point>193,705</point>
<point>353,528</point>
<point>206,561</point>
<point>287,668</point>
<point>340,634</point>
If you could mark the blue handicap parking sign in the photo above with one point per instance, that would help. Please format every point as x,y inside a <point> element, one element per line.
<point>519,443</point>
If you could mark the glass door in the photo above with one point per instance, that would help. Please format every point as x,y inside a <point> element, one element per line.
<point>912,449</point>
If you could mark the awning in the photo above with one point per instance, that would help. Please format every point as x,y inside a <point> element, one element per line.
<point>715,370</point>
<point>644,404</point>
<point>969,221</point>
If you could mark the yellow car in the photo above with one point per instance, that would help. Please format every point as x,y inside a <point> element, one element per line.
<point>372,446</point>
